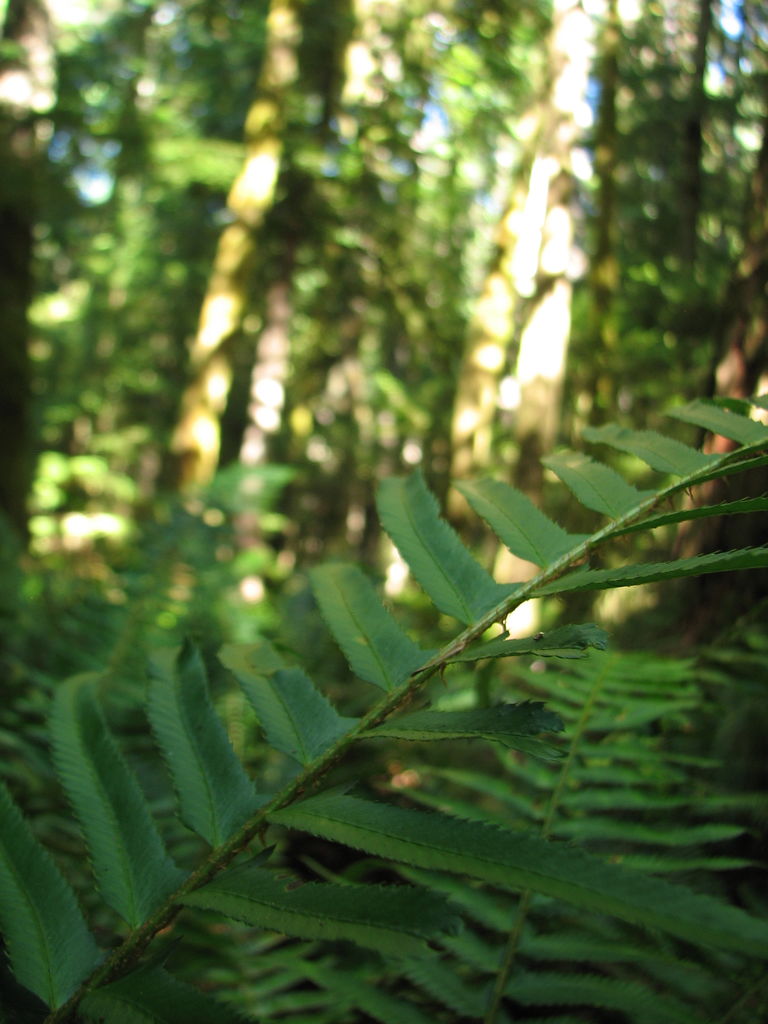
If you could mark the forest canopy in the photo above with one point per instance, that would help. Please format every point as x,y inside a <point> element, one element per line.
<point>345,239</point>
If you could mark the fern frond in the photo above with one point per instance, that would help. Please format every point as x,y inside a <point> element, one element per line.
<point>657,864</point>
<point>518,523</point>
<point>153,995</point>
<point>489,908</point>
<point>640,1003</point>
<point>444,984</point>
<point>457,584</point>
<point>663,454</point>
<point>713,417</point>
<point>132,867</point>
<point>373,643</point>
<point>48,942</point>
<point>373,1001</point>
<point>632,575</point>
<point>596,486</point>
<point>296,718</point>
<point>215,794</point>
<point>614,709</point>
<point>602,829</point>
<point>563,642</point>
<point>727,508</point>
<point>518,860</point>
<point>392,919</point>
<point>513,725</point>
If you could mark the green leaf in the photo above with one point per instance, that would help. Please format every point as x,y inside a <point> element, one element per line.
<point>365,994</point>
<point>595,485</point>
<point>652,572</point>
<point>656,834</point>
<point>50,948</point>
<point>152,996</point>
<point>666,865</point>
<point>727,508</point>
<point>390,919</point>
<point>373,643</point>
<point>437,558</point>
<point>518,523</point>
<point>563,642</point>
<point>296,718</point>
<point>549,988</point>
<point>720,421</point>
<point>256,659</point>
<point>520,861</point>
<point>663,454</point>
<point>215,794</point>
<point>510,724</point>
<point>440,980</point>
<point>132,868</point>
<point>729,465</point>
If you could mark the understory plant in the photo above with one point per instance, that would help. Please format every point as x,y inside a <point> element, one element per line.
<point>461,891</point>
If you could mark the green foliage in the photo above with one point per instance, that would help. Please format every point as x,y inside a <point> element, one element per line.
<point>49,945</point>
<point>396,952</point>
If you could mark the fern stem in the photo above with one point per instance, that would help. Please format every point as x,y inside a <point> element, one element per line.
<point>744,1000</point>
<point>508,959</point>
<point>513,940</point>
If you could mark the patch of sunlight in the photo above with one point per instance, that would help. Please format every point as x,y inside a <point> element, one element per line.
<point>614,607</point>
<point>266,418</point>
<point>254,187</point>
<point>76,531</point>
<point>269,392</point>
<point>397,573</point>
<point>544,340</point>
<point>252,589</point>
<point>217,383</point>
<point>412,452</point>
<point>524,620</point>
<point>205,432</point>
<point>360,66</point>
<point>64,305</point>
<point>489,356</point>
<point>219,315</point>
<point>529,224</point>
<point>557,247</point>
<point>467,420</point>
<point>509,393</point>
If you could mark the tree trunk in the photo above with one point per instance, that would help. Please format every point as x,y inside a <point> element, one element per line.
<point>26,91</point>
<point>546,328</point>
<point>745,357</point>
<point>485,356</point>
<point>604,264</point>
<point>741,372</point>
<point>196,441</point>
<point>528,286</point>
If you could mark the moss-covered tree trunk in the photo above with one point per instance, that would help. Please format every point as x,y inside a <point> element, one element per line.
<point>196,440</point>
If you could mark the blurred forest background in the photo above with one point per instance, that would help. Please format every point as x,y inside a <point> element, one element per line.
<point>257,256</point>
